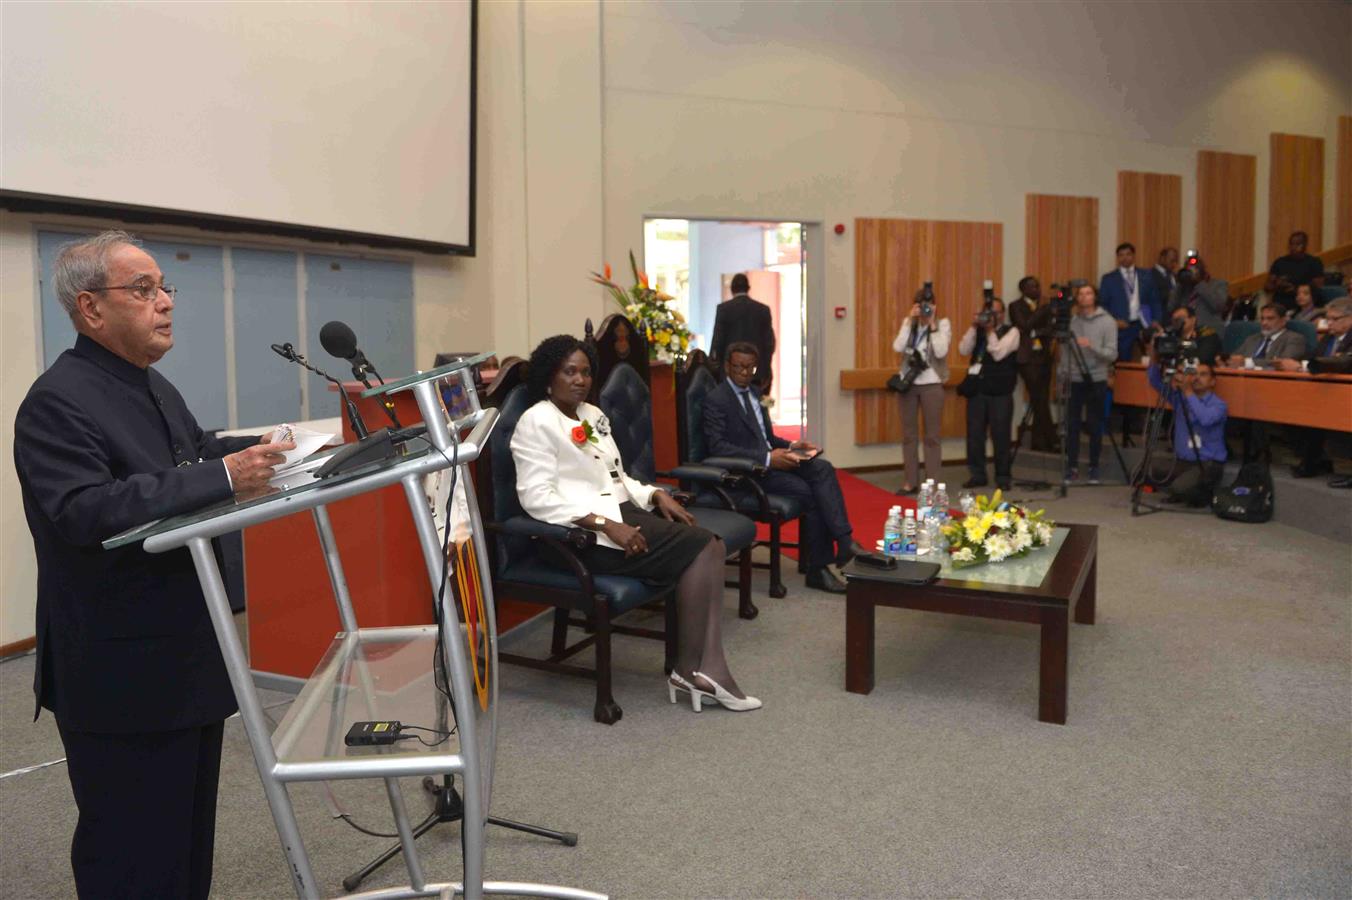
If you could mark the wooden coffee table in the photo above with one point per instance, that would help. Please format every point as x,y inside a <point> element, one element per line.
<point>1069,580</point>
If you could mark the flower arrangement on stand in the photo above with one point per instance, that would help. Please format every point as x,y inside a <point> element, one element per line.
<point>994,530</point>
<point>650,311</point>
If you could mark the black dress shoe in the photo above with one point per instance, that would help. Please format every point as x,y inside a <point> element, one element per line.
<point>848,552</point>
<point>1004,484</point>
<point>905,491</point>
<point>1343,483</point>
<point>974,482</point>
<point>824,579</point>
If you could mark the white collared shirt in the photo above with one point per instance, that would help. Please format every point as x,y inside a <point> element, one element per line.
<point>1130,277</point>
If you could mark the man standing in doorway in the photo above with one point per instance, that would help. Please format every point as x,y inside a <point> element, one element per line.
<point>127,659</point>
<point>744,319</point>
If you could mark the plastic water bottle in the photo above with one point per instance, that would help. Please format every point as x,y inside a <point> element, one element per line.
<point>924,538</point>
<point>924,500</point>
<point>892,532</point>
<point>908,533</point>
<point>938,543</point>
<point>940,503</point>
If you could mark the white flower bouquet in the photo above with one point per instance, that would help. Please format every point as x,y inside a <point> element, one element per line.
<point>994,531</point>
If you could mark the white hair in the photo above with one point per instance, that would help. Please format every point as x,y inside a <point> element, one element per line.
<point>83,266</point>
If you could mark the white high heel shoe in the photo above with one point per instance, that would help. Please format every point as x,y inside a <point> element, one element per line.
<point>696,695</point>
<point>736,704</point>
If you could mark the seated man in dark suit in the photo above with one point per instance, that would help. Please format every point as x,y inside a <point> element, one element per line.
<point>1333,354</point>
<point>735,424</point>
<point>1273,343</point>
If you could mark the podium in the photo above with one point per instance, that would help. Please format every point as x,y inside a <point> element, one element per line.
<point>385,673</point>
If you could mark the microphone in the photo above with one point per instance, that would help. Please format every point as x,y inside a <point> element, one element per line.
<point>288,353</point>
<point>339,341</point>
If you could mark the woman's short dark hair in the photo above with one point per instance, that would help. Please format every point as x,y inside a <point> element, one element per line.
<point>549,357</point>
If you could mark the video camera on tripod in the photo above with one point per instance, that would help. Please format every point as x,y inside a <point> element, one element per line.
<point>1172,349</point>
<point>1063,305</point>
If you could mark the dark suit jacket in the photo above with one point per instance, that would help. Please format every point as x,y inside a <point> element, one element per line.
<point>1333,354</point>
<point>124,642</point>
<point>729,432</point>
<point>1114,298</point>
<point>743,319</point>
<point>1033,325</point>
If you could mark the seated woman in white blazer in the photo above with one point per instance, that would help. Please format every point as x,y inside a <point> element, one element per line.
<point>568,472</point>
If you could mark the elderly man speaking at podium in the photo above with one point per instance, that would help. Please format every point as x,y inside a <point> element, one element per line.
<point>126,656</point>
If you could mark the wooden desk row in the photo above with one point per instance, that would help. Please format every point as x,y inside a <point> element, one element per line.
<point>1288,398</point>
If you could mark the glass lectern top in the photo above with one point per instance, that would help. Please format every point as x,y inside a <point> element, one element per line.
<point>408,381</point>
<point>299,480</point>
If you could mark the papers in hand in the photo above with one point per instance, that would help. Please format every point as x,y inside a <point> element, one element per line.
<point>307,442</point>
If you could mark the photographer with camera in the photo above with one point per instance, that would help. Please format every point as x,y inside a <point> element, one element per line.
<point>989,389</point>
<point>923,342</point>
<point>1085,365</point>
<point>1199,419</point>
<point>1206,296</point>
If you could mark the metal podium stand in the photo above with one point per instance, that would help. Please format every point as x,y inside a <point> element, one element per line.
<point>373,673</point>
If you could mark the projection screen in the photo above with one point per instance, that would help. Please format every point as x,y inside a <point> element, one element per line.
<point>347,121</point>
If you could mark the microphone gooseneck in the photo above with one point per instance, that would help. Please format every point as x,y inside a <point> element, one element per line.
<point>288,352</point>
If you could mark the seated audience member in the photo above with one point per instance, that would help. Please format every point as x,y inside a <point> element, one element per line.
<point>567,477</point>
<point>1306,308</point>
<point>1199,432</point>
<point>736,424</point>
<point>1094,333</point>
<point>1206,296</point>
<point>1035,322</point>
<point>1183,322</point>
<point>992,346</point>
<point>1333,353</point>
<point>1294,269</point>
<point>1272,343</point>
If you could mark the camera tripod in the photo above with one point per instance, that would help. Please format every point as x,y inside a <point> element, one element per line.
<point>1154,429</point>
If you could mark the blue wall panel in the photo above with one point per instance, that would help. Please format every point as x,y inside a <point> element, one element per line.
<point>374,297</point>
<point>267,387</point>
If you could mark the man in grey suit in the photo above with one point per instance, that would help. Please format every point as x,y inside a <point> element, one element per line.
<point>1274,342</point>
<point>744,319</point>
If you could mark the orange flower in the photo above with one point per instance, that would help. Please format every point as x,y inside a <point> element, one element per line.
<point>579,435</point>
<point>643,278</point>
<point>607,271</point>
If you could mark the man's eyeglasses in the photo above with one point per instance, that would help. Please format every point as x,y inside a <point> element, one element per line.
<point>736,367</point>
<point>145,291</point>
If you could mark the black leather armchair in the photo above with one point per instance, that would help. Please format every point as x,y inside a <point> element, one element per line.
<point>627,403</point>
<point>538,562</point>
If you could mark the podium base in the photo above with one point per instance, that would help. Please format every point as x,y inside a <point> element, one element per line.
<point>449,808</point>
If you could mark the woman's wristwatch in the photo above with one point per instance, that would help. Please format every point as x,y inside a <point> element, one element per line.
<point>599,522</point>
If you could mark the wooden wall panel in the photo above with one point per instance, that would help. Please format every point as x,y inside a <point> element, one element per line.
<point>1061,238</point>
<point>1344,181</point>
<point>893,258</point>
<point>1149,213</point>
<point>1226,193</point>
<point>1295,192</point>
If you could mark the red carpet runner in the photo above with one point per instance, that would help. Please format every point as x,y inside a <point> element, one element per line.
<point>866,504</point>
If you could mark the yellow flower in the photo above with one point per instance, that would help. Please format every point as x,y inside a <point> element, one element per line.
<point>664,337</point>
<point>685,342</point>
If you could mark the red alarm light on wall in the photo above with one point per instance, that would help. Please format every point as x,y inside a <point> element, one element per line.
<point>840,312</point>
<point>840,228</point>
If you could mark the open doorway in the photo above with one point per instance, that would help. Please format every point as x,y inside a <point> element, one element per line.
<point>694,260</point>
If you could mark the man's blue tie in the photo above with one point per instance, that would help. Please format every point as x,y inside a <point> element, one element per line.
<point>1262,348</point>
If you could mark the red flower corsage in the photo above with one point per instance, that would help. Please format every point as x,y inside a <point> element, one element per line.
<point>579,435</point>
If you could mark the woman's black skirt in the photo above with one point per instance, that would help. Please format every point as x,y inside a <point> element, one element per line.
<point>672,547</point>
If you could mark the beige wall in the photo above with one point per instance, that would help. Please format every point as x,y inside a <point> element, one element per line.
<point>593,115</point>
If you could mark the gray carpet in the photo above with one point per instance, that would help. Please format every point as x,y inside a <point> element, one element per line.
<point>1207,753</point>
